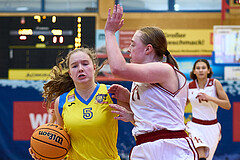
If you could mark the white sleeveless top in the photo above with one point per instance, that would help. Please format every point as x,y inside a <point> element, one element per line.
<point>156,108</point>
<point>204,110</point>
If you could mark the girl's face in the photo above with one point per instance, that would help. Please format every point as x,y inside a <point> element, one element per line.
<point>201,70</point>
<point>137,49</point>
<point>81,68</point>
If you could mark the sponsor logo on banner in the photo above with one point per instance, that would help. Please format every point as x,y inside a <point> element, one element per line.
<point>181,42</point>
<point>27,116</point>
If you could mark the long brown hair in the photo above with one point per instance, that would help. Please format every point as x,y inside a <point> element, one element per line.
<point>60,81</point>
<point>156,37</point>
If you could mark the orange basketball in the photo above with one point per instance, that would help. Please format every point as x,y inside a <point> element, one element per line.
<point>50,142</point>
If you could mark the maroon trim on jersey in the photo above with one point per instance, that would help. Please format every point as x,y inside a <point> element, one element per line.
<point>164,90</point>
<point>193,148</point>
<point>161,134</point>
<point>192,85</point>
<point>167,91</point>
<point>129,157</point>
<point>210,82</point>
<point>204,122</point>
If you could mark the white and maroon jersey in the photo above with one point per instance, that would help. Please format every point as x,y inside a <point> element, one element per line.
<point>204,110</point>
<point>156,108</point>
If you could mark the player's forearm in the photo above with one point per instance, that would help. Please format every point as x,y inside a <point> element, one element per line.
<point>115,57</point>
<point>225,104</point>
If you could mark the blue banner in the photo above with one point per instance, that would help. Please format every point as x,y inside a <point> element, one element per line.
<point>21,112</point>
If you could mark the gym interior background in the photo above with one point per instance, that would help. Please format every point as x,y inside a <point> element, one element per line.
<point>35,32</point>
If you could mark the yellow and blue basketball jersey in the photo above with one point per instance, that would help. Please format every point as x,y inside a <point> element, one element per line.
<point>90,124</point>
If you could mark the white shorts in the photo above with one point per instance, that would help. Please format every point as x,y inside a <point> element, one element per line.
<point>205,136</point>
<point>165,149</point>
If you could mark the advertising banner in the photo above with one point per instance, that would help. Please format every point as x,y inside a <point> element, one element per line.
<point>188,42</point>
<point>22,112</point>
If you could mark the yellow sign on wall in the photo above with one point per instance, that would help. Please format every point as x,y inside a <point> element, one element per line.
<point>190,42</point>
<point>31,74</point>
<point>182,42</point>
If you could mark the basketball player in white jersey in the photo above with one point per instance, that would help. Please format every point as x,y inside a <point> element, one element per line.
<point>158,95</point>
<point>205,95</point>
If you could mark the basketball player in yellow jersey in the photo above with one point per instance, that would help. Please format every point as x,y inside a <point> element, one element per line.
<point>82,107</point>
<point>90,124</point>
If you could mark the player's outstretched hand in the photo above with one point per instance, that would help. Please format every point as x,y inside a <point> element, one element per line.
<point>114,22</point>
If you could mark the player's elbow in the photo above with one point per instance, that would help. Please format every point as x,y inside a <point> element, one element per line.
<point>228,107</point>
<point>118,71</point>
